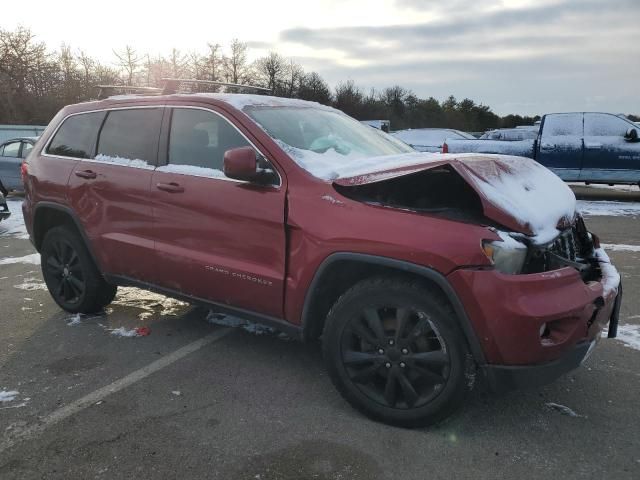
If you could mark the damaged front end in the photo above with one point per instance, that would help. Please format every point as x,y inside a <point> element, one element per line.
<point>538,235</point>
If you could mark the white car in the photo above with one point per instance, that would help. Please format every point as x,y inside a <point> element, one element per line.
<point>429,139</point>
<point>511,134</point>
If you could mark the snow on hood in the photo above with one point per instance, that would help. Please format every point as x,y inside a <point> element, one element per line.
<point>516,192</point>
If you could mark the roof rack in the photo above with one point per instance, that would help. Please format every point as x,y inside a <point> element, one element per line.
<point>173,85</point>
<point>105,91</point>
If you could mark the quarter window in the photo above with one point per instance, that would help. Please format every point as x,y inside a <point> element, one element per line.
<point>130,135</point>
<point>199,138</point>
<point>26,148</point>
<point>77,136</point>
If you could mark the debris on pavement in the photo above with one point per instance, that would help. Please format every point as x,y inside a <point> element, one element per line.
<point>562,409</point>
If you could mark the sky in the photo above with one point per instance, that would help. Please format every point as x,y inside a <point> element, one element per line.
<point>517,56</point>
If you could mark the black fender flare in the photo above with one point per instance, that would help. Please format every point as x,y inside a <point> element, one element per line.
<point>74,218</point>
<point>402,266</point>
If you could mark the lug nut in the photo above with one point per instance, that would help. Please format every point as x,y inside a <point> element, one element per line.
<point>388,365</point>
<point>381,352</point>
<point>405,351</point>
<point>402,365</point>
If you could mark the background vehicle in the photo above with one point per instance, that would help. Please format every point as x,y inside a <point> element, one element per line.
<point>297,216</point>
<point>7,132</point>
<point>430,139</point>
<point>510,134</point>
<point>12,152</point>
<point>587,147</point>
<point>384,125</point>
<point>4,209</point>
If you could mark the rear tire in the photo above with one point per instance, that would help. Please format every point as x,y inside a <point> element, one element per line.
<point>71,275</point>
<point>395,352</point>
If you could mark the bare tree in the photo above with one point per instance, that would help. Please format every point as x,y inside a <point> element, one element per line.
<point>271,72</point>
<point>214,62</point>
<point>178,63</point>
<point>235,65</point>
<point>129,61</point>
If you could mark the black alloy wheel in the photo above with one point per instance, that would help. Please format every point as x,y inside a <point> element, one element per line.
<point>396,356</point>
<point>64,272</point>
<point>394,349</point>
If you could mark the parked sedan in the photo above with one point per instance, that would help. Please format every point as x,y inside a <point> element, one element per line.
<point>511,134</point>
<point>430,139</point>
<point>12,152</point>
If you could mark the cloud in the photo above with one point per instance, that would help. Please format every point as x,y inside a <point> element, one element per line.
<point>561,53</point>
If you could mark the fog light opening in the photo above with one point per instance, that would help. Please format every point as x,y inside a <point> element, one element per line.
<point>544,331</point>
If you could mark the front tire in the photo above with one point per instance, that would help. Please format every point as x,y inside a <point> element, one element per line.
<point>395,352</point>
<point>71,276</point>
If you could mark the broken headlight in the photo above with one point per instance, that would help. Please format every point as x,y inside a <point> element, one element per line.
<point>507,255</point>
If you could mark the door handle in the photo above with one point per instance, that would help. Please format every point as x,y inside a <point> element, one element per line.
<point>170,187</point>
<point>548,146</point>
<point>88,174</point>
<point>593,146</point>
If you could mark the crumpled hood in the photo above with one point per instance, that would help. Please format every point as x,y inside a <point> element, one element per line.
<point>516,192</point>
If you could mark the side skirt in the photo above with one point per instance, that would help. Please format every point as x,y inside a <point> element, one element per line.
<point>294,331</point>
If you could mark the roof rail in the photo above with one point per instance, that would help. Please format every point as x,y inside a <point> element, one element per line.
<point>105,91</point>
<point>172,85</point>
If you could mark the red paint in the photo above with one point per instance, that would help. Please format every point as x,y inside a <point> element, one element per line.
<point>258,248</point>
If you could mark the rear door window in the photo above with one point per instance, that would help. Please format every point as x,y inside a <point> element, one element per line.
<point>130,137</point>
<point>11,150</point>
<point>77,136</point>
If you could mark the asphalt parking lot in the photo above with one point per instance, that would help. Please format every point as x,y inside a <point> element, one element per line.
<point>198,400</point>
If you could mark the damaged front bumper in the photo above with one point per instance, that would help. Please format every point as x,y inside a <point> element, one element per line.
<point>542,325</point>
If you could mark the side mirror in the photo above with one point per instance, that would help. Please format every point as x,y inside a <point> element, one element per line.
<point>241,164</point>
<point>631,135</point>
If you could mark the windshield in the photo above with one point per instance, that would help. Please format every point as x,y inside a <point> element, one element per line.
<point>315,136</point>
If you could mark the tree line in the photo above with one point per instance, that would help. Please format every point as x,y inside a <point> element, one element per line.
<point>35,82</point>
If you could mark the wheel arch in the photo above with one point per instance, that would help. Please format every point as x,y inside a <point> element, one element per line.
<point>339,271</point>
<point>48,215</point>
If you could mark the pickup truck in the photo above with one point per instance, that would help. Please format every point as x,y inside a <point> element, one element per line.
<point>583,147</point>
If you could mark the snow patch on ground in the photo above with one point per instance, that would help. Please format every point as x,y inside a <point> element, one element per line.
<point>124,332</point>
<point>235,322</point>
<point>620,247</point>
<point>562,409</point>
<point>74,320</point>
<point>14,225</point>
<point>150,303</point>
<point>31,284</point>
<point>621,188</point>
<point>8,395</point>
<point>628,334</point>
<point>608,208</point>
<point>33,259</point>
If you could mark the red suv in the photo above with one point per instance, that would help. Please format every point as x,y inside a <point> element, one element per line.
<point>419,271</point>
